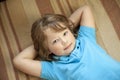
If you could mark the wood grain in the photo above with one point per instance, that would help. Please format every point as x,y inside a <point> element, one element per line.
<point>17,16</point>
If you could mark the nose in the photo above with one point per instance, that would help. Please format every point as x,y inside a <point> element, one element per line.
<point>64,41</point>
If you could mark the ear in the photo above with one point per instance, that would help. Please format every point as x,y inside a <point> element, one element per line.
<point>50,52</point>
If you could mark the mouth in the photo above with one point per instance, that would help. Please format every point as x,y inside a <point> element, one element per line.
<point>68,46</point>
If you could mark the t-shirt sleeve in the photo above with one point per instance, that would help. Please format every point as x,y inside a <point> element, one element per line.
<point>47,71</point>
<point>87,32</point>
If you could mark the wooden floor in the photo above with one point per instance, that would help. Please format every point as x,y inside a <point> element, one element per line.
<point>17,16</point>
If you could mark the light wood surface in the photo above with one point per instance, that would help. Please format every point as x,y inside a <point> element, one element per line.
<point>17,16</point>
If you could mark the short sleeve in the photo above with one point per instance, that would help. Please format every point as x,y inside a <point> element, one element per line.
<point>47,71</point>
<point>87,32</point>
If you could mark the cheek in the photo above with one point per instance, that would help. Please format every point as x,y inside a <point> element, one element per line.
<point>56,49</point>
<point>71,37</point>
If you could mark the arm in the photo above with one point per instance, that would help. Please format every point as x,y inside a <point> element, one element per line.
<point>83,16</point>
<point>25,63</point>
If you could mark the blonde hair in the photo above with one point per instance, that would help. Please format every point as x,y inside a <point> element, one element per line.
<point>53,21</point>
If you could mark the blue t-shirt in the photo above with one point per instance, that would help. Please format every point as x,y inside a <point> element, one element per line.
<point>88,61</point>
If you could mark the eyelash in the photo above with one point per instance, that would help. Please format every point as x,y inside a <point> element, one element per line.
<point>65,33</point>
<point>55,41</point>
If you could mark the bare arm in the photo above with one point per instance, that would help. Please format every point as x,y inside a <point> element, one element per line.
<point>83,16</point>
<point>25,63</point>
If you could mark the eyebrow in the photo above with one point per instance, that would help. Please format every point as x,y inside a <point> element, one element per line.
<point>65,30</point>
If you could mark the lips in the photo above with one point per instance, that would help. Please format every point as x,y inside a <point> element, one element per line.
<point>67,46</point>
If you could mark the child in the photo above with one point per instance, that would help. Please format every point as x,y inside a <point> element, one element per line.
<point>64,56</point>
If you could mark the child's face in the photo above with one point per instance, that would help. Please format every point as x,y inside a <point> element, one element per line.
<point>60,43</point>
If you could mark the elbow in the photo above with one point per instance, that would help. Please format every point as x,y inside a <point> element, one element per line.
<point>15,62</point>
<point>87,7</point>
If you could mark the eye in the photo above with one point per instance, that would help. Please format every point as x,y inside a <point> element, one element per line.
<point>65,33</point>
<point>55,41</point>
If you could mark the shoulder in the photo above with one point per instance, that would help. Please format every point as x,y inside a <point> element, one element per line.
<point>87,33</point>
<point>47,70</point>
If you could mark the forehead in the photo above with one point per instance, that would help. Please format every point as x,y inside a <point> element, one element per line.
<point>52,34</point>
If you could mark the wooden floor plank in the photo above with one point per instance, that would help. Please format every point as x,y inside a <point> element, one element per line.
<point>106,29</point>
<point>113,12</point>
<point>44,6</point>
<point>17,16</point>
<point>55,6</point>
<point>31,10</point>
